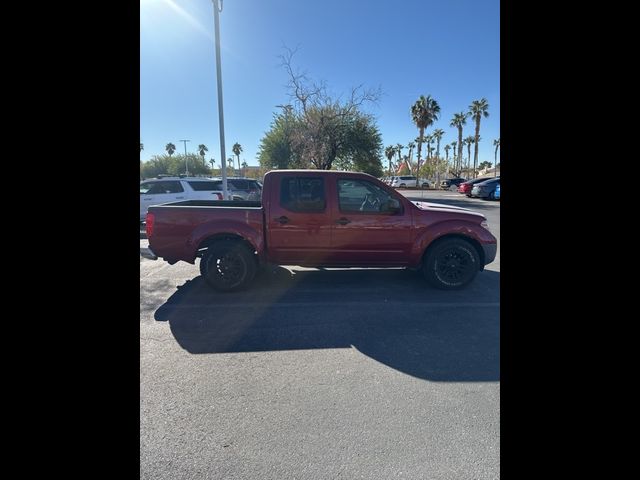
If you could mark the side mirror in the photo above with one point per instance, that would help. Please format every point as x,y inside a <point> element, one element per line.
<point>393,206</point>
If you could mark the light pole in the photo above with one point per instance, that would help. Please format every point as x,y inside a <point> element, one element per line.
<point>216,19</point>
<point>186,166</point>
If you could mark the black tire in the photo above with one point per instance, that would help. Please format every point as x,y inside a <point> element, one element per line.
<point>403,185</point>
<point>451,264</point>
<point>492,195</point>
<point>228,265</point>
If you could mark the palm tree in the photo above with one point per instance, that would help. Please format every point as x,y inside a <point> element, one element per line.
<point>478,109</point>
<point>454,158</point>
<point>423,113</point>
<point>418,140</point>
<point>446,153</point>
<point>170,148</point>
<point>496,143</point>
<point>430,140</point>
<point>468,141</point>
<point>458,121</point>
<point>389,152</point>
<point>244,168</point>
<point>411,145</point>
<point>399,152</point>
<point>212,162</point>
<point>237,150</point>
<point>201,149</point>
<point>141,146</point>
<point>437,136</point>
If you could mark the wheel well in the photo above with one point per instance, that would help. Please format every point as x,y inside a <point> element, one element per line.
<point>208,242</point>
<point>471,240</point>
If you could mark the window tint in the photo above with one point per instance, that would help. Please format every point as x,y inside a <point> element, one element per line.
<point>238,184</point>
<point>303,194</point>
<point>253,185</point>
<point>165,187</point>
<point>362,196</point>
<point>145,187</point>
<point>204,186</point>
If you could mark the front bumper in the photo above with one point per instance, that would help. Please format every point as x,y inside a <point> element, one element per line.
<point>146,252</point>
<point>490,250</point>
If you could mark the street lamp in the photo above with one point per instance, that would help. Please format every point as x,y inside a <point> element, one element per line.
<point>186,166</point>
<point>216,19</point>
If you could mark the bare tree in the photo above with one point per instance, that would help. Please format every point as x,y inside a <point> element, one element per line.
<point>324,119</point>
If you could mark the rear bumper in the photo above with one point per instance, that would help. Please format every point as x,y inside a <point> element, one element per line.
<point>146,252</point>
<point>490,250</point>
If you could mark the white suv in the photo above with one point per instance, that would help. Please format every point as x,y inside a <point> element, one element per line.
<point>404,181</point>
<point>173,189</point>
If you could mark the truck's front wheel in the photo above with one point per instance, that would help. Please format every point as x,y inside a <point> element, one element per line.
<point>228,265</point>
<point>451,264</point>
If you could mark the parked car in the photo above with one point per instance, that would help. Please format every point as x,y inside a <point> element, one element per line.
<point>451,182</point>
<point>485,189</point>
<point>404,181</point>
<point>466,187</point>
<point>171,189</point>
<point>241,188</point>
<point>496,194</point>
<point>321,218</point>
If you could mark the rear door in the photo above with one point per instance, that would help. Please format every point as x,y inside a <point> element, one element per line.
<point>298,220</point>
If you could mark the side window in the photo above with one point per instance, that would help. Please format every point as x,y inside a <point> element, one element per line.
<point>145,187</point>
<point>156,187</point>
<point>303,194</point>
<point>173,187</point>
<point>362,196</point>
<point>203,186</point>
<point>165,187</point>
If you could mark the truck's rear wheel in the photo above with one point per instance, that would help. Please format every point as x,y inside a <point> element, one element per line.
<point>451,264</point>
<point>228,265</point>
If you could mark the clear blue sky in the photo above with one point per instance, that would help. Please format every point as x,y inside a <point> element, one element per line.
<point>449,49</point>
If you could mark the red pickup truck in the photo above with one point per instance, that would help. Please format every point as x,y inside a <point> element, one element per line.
<point>320,218</point>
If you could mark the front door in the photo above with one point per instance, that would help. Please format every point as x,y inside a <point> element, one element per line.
<point>299,222</point>
<point>364,231</point>
<point>155,193</point>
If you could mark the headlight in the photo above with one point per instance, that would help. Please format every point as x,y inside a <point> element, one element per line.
<point>485,224</point>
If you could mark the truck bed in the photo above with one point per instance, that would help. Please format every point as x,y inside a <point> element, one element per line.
<point>215,203</point>
<point>181,227</point>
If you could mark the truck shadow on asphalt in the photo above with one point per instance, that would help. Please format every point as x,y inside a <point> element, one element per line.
<point>390,315</point>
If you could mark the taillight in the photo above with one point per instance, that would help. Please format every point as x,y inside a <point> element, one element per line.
<point>149,223</point>
<point>219,195</point>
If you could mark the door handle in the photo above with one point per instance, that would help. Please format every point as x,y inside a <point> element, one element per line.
<point>147,198</point>
<point>179,198</point>
<point>343,221</point>
<point>282,220</point>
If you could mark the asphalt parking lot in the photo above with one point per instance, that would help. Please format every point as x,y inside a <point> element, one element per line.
<point>321,373</point>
